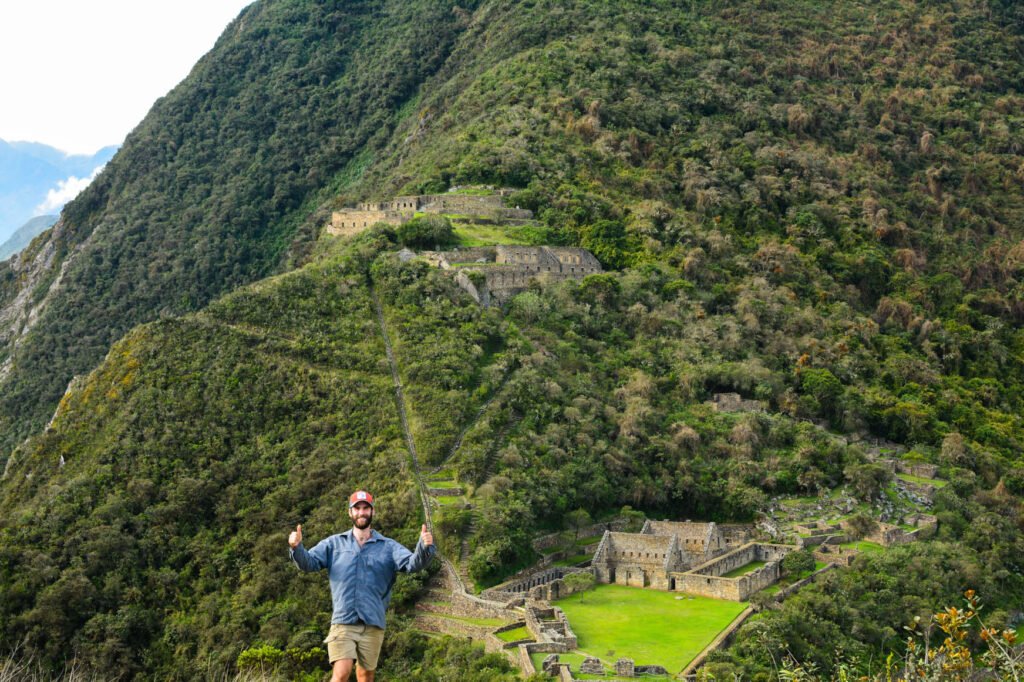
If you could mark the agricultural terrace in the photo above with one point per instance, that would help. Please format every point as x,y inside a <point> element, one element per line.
<point>649,626</point>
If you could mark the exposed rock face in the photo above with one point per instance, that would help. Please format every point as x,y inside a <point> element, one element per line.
<point>30,269</point>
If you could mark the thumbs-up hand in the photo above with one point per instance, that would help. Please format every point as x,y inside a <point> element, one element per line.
<point>426,536</point>
<point>295,539</point>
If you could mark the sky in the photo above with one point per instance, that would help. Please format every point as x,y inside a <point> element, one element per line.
<point>79,75</point>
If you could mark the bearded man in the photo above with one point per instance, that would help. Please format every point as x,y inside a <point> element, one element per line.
<point>361,566</point>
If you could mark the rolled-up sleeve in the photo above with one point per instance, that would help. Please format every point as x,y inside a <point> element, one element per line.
<point>315,559</point>
<point>410,562</point>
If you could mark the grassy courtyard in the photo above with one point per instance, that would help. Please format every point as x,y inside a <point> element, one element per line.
<point>649,626</point>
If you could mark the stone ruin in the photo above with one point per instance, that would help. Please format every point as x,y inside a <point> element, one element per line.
<point>688,557</point>
<point>548,625</point>
<point>734,402</point>
<point>494,274</point>
<point>400,210</point>
<point>592,666</point>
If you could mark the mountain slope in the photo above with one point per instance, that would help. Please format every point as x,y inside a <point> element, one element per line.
<point>813,204</point>
<point>888,159</point>
<point>211,188</point>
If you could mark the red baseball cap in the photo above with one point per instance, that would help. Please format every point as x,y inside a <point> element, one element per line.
<point>360,496</point>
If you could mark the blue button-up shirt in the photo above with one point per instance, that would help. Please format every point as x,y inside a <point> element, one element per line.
<point>361,577</point>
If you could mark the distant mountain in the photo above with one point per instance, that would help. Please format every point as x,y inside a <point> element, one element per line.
<point>30,170</point>
<point>25,234</point>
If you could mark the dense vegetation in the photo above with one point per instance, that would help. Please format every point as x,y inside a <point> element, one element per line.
<point>816,205</point>
<point>220,179</point>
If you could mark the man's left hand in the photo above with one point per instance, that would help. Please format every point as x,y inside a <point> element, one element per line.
<point>426,536</point>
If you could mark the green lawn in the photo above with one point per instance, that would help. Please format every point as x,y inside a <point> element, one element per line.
<point>486,235</point>
<point>592,540</point>
<point>864,546</point>
<point>649,626</point>
<point>515,635</point>
<point>571,561</point>
<point>935,482</point>
<point>743,570</point>
<point>450,499</point>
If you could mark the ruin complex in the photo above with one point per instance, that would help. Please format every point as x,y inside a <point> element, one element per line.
<point>482,208</point>
<point>494,274</point>
<point>688,557</point>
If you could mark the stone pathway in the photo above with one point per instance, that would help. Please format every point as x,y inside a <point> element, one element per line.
<point>415,472</point>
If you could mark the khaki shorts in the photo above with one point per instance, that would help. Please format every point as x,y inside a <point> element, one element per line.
<point>360,642</point>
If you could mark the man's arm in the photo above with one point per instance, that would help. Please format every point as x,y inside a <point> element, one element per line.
<point>312,560</point>
<point>410,562</point>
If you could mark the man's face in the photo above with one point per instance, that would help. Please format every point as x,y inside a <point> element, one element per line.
<point>362,515</point>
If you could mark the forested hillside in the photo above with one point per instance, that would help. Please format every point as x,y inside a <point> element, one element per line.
<point>817,205</point>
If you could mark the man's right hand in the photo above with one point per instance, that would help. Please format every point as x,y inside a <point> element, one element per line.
<point>295,539</point>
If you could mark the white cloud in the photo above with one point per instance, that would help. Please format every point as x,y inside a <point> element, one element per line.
<point>65,191</point>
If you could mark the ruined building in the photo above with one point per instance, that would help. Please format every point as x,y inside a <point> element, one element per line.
<point>493,274</point>
<point>688,557</point>
<point>480,208</point>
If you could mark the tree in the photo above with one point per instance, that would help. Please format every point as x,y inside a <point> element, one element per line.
<point>798,562</point>
<point>579,582</point>
<point>578,520</point>
<point>867,479</point>
<point>426,231</point>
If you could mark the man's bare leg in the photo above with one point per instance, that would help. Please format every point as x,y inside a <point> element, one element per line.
<point>342,670</point>
<point>364,675</point>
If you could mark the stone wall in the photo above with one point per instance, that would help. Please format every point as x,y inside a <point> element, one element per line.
<point>555,539</point>
<point>889,535</point>
<point>734,402</point>
<point>926,524</point>
<point>347,222</point>
<point>834,554</point>
<point>721,640</point>
<point>507,270</point>
<point>707,581</point>
<point>735,534</point>
<point>548,624</point>
<point>556,589</point>
<point>634,559</point>
<point>522,586</point>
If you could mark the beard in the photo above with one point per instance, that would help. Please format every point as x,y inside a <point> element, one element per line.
<point>363,522</point>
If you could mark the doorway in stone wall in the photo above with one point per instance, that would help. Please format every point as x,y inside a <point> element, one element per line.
<point>671,584</point>
<point>611,576</point>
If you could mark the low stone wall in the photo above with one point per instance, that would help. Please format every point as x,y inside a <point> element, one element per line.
<point>834,554</point>
<point>554,539</point>
<point>707,581</point>
<point>733,589</point>
<point>353,221</point>
<point>791,589</point>
<point>556,589</point>
<point>450,626</point>
<point>818,540</point>
<point>888,535</point>
<point>721,640</point>
<point>549,625</point>
<point>445,492</point>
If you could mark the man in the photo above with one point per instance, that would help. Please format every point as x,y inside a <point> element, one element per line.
<point>361,565</point>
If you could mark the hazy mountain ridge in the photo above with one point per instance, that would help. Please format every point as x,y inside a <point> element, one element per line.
<point>29,170</point>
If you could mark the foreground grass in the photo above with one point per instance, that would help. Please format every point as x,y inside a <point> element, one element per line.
<point>649,626</point>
